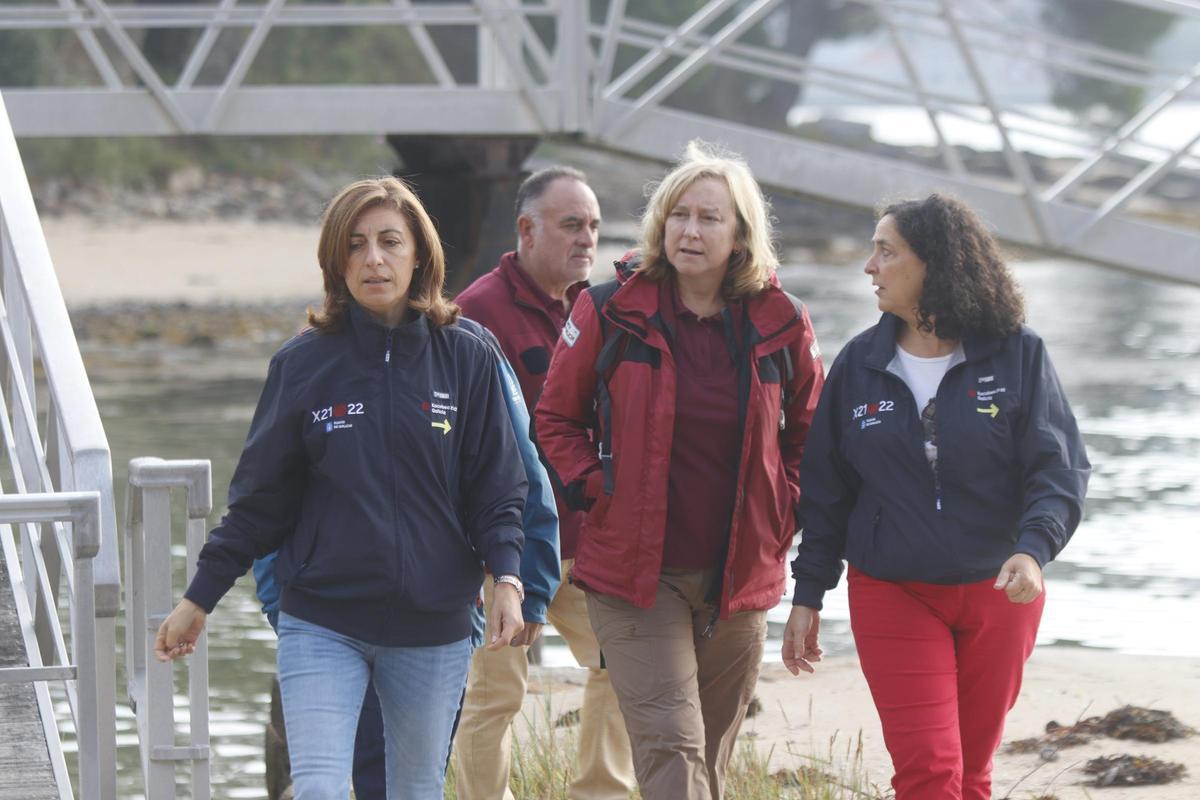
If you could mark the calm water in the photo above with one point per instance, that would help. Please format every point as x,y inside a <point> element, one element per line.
<point>1127,349</point>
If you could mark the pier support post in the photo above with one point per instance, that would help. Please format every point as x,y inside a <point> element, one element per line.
<point>468,184</point>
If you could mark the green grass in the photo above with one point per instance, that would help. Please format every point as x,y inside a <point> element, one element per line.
<point>543,766</point>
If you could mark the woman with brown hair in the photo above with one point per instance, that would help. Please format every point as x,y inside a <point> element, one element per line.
<point>944,464</point>
<point>703,374</point>
<point>382,465</point>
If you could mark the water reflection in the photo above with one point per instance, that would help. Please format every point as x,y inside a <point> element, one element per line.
<point>1126,348</point>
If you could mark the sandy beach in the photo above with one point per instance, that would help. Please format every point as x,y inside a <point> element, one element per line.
<point>819,715</point>
<point>158,261</point>
<point>194,262</point>
<point>823,717</point>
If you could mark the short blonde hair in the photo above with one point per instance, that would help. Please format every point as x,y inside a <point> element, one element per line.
<point>333,250</point>
<point>754,258</point>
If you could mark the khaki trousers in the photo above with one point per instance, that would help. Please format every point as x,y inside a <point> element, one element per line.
<point>683,696</point>
<point>495,691</point>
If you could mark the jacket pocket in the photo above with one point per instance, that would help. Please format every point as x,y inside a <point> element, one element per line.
<point>862,536</point>
<point>298,552</point>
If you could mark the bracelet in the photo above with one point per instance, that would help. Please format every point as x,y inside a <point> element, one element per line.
<point>513,581</point>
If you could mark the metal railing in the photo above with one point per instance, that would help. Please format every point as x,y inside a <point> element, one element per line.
<point>54,442</point>
<point>45,545</point>
<point>148,600</point>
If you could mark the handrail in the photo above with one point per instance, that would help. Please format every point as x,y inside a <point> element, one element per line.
<point>62,447</point>
<point>148,600</point>
<point>34,589</point>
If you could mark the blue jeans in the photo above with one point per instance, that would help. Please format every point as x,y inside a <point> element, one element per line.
<point>323,677</point>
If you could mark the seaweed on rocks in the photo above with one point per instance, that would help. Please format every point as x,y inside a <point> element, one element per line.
<point>1126,770</point>
<point>1126,722</point>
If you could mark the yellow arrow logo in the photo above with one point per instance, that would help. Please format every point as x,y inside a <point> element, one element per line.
<point>444,425</point>
<point>993,409</point>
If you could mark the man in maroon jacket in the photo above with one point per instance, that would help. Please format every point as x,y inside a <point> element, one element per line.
<point>525,301</point>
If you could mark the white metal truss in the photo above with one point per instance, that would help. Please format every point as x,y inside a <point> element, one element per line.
<point>604,72</point>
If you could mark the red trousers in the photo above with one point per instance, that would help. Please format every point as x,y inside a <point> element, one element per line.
<point>944,665</point>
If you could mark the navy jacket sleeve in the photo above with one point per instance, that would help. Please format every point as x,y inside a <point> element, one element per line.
<point>828,490</point>
<point>1053,460</point>
<point>540,562</point>
<point>492,478</point>
<point>264,495</point>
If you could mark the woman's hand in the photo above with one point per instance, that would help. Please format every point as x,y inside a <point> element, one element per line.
<point>800,646</point>
<point>1020,578</point>
<point>504,617</point>
<point>180,631</point>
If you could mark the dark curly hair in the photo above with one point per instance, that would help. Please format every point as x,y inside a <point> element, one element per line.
<point>968,289</point>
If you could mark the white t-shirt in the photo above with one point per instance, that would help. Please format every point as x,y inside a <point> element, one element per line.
<point>923,376</point>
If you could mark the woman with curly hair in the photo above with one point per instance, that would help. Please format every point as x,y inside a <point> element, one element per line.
<point>944,464</point>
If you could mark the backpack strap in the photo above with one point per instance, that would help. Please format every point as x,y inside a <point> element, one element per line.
<point>616,341</point>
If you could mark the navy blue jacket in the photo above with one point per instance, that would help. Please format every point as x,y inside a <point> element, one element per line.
<point>382,465</point>
<point>1012,468</point>
<point>540,563</point>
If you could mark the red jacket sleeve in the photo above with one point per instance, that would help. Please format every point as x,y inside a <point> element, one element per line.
<point>565,412</point>
<point>803,391</point>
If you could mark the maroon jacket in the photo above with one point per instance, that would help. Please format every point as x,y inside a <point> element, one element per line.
<point>621,542</point>
<point>526,322</point>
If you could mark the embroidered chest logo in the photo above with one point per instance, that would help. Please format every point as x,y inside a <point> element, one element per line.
<point>986,395</point>
<point>337,417</point>
<point>869,414</point>
<point>440,408</point>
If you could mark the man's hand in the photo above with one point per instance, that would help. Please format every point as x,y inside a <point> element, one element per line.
<point>1020,578</point>
<point>180,631</point>
<point>504,617</point>
<point>528,636</point>
<point>800,646</point>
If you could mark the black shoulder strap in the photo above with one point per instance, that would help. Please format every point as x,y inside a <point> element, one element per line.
<point>609,356</point>
<point>611,352</point>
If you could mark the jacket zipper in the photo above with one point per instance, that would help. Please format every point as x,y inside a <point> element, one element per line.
<point>389,438</point>
<point>937,480</point>
<point>710,629</point>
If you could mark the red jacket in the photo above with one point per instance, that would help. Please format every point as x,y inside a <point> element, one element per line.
<point>621,541</point>
<point>507,302</point>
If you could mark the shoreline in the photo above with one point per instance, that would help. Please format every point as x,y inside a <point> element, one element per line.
<point>827,720</point>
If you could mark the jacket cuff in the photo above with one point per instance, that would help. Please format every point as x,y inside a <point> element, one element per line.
<point>534,608</point>
<point>504,558</point>
<point>581,494</point>
<point>207,589</point>
<point>593,485</point>
<point>808,594</point>
<point>1038,545</point>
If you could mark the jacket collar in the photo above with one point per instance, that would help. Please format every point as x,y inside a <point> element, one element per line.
<point>371,337</point>
<point>635,305</point>
<point>881,347</point>
<point>526,290</point>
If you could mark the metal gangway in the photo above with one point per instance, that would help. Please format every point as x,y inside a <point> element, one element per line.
<point>60,588</point>
<point>617,74</point>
